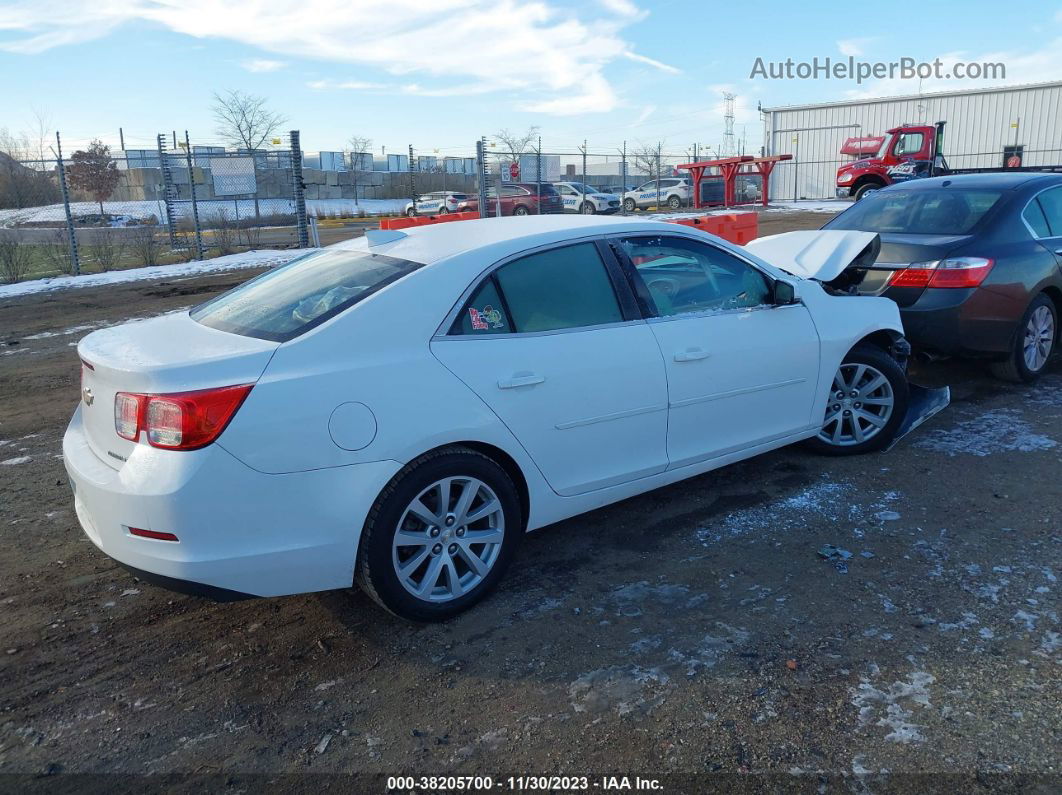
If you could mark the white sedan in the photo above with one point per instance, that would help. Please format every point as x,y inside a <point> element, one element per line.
<point>586,199</point>
<point>399,409</point>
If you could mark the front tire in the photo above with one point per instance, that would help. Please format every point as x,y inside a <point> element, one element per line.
<point>628,205</point>
<point>864,189</point>
<point>867,402</point>
<point>588,208</point>
<point>440,535</point>
<point>1034,342</point>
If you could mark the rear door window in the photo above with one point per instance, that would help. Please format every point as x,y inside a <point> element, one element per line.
<point>283,303</point>
<point>1034,217</point>
<point>561,288</point>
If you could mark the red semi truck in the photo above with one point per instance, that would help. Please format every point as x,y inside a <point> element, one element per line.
<point>908,152</point>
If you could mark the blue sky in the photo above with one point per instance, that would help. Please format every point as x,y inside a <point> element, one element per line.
<point>438,74</point>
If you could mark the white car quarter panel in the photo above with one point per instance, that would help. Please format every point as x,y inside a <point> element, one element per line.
<point>592,410</point>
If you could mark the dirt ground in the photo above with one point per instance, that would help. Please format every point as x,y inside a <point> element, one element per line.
<point>692,635</point>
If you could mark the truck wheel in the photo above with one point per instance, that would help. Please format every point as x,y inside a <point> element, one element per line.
<point>1034,342</point>
<point>865,188</point>
<point>866,404</point>
<point>440,536</point>
<point>628,205</point>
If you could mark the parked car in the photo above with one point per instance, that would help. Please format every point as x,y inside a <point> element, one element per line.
<point>578,197</point>
<point>435,203</point>
<point>400,408</point>
<point>618,190</point>
<point>518,198</point>
<point>973,261</point>
<point>672,192</point>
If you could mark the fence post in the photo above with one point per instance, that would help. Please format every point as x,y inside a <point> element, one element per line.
<point>167,188</point>
<point>658,145</point>
<point>623,179</point>
<point>75,261</point>
<point>412,181</point>
<point>195,205</point>
<point>481,165</point>
<point>298,190</point>
<point>538,174</point>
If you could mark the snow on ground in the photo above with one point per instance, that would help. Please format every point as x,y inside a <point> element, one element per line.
<point>824,206</point>
<point>246,259</point>
<point>208,209</point>
<point>811,206</point>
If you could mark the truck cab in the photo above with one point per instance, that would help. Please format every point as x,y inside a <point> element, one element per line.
<point>907,152</point>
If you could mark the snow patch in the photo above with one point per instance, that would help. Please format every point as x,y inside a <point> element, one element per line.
<point>887,708</point>
<point>996,431</point>
<point>10,462</point>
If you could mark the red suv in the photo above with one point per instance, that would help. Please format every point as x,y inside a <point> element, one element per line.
<point>518,198</point>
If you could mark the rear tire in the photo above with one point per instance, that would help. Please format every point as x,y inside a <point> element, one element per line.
<point>520,210</point>
<point>411,212</point>
<point>628,205</point>
<point>439,535</point>
<point>868,420</point>
<point>1034,342</point>
<point>674,202</point>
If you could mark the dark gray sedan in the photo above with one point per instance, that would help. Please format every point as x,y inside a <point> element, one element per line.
<point>974,262</point>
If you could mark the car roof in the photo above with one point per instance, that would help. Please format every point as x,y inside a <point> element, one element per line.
<point>998,180</point>
<point>435,242</point>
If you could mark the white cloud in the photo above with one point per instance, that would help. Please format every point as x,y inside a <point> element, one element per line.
<point>547,54</point>
<point>345,85</point>
<point>663,67</point>
<point>262,65</point>
<point>647,111</point>
<point>853,47</point>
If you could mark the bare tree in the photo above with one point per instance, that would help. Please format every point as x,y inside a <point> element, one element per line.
<point>515,143</point>
<point>360,146</point>
<point>94,171</point>
<point>243,119</point>
<point>647,159</point>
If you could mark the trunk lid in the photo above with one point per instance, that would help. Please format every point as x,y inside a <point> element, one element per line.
<point>171,353</point>
<point>900,251</point>
<point>820,254</point>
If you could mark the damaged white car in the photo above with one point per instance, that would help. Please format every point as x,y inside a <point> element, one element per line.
<point>398,410</point>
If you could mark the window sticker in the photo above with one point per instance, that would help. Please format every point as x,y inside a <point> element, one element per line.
<point>486,318</point>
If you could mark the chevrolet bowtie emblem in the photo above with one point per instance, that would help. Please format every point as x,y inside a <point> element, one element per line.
<point>86,393</point>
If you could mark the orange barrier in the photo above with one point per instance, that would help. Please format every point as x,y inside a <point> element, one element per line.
<point>424,220</point>
<point>739,228</point>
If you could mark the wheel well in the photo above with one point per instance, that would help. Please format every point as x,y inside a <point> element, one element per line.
<point>883,339</point>
<point>868,179</point>
<point>512,469</point>
<point>1056,298</point>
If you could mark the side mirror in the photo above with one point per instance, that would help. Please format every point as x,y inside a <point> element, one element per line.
<point>784,293</point>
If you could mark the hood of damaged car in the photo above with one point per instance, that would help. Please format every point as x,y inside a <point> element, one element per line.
<point>818,254</point>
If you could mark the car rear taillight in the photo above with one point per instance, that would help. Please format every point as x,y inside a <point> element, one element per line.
<point>179,421</point>
<point>953,272</point>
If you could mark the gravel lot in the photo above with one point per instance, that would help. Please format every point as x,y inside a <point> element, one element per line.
<point>692,630</point>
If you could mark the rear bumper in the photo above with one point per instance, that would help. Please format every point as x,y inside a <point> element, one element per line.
<point>240,531</point>
<point>969,322</point>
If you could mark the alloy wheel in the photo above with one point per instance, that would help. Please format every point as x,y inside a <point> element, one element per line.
<point>448,539</point>
<point>861,403</point>
<point>1039,338</point>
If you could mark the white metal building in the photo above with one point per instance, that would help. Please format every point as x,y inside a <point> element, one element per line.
<point>982,124</point>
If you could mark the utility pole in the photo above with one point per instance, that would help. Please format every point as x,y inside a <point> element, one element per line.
<point>121,137</point>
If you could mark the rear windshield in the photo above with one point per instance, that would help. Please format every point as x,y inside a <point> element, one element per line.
<point>936,211</point>
<point>284,303</point>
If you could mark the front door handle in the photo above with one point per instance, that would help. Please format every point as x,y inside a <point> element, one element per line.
<point>691,355</point>
<point>521,379</point>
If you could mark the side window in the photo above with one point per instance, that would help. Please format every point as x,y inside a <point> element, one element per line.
<point>1034,217</point>
<point>484,313</point>
<point>1051,202</point>
<point>909,144</point>
<point>561,288</point>
<point>684,275</point>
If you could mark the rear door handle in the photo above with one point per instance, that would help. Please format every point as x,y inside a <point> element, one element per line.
<point>521,379</point>
<point>691,355</point>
